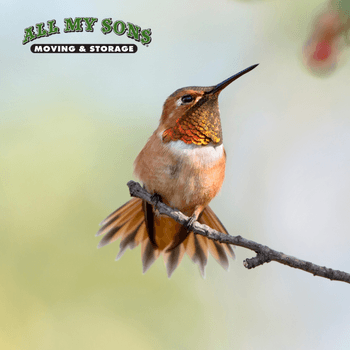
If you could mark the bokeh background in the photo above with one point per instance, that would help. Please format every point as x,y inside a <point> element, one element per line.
<point>70,129</point>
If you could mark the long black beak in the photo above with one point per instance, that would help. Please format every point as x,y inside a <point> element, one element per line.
<point>228,81</point>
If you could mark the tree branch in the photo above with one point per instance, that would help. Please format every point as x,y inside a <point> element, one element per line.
<point>264,254</point>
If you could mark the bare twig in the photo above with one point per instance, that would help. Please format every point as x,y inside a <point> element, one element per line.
<point>264,254</point>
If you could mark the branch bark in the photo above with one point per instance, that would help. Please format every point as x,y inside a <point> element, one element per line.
<point>264,254</point>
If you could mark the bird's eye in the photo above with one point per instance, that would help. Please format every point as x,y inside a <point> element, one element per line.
<point>186,98</point>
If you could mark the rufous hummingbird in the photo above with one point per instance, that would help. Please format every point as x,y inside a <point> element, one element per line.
<point>183,165</point>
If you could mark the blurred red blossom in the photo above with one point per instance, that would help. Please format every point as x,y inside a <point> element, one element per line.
<point>328,38</point>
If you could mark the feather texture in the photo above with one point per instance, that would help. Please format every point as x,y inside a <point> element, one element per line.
<point>129,224</point>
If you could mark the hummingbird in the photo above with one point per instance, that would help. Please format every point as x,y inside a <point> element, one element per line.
<point>182,165</point>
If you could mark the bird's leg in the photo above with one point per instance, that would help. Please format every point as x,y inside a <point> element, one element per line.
<point>184,231</point>
<point>151,212</point>
<point>190,222</point>
<point>156,198</point>
<point>193,218</point>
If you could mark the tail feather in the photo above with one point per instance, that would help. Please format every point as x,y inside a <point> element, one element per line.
<point>200,256</point>
<point>131,241</point>
<point>128,224</point>
<point>125,207</point>
<point>122,230</point>
<point>149,254</point>
<point>115,213</point>
<point>229,251</point>
<point>218,250</point>
<point>119,216</point>
<point>173,258</point>
<point>202,252</point>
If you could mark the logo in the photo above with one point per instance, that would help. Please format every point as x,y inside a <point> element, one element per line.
<point>79,24</point>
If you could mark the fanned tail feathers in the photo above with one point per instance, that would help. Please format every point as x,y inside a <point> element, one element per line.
<point>128,224</point>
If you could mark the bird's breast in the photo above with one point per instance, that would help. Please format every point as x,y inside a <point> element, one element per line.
<point>184,175</point>
<point>198,156</point>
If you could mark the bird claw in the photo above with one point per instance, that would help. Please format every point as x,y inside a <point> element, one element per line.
<point>190,222</point>
<point>156,198</point>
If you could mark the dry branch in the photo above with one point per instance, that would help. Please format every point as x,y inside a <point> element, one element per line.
<point>264,254</point>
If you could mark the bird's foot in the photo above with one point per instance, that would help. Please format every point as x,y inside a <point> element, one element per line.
<point>190,222</point>
<point>156,199</point>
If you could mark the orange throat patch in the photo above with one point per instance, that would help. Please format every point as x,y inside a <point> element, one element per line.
<point>193,130</point>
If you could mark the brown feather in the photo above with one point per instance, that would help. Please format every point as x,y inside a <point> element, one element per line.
<point>179,237</point>
<point>217,225</point>
<point>128,206</point>
<point>128,242</point>
<point>149,220</point>
<point>128,223</point>
<point>118,218</point>
<point>218,250</point>
<point>118,229</point>
<point>173,258</point>
<point>149,254</point>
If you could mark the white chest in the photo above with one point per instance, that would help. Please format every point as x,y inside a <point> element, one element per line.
<point>201,155</point>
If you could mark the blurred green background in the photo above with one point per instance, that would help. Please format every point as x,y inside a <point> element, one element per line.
<point>70,129</point>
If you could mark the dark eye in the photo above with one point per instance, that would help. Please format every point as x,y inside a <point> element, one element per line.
<point>187,98</point>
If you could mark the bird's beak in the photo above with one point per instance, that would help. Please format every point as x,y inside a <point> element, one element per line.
<point>228,81</point>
